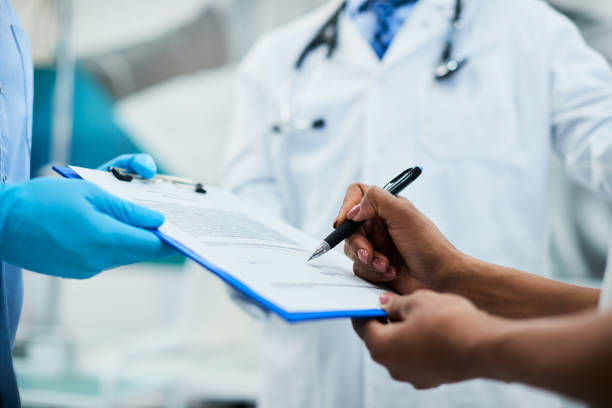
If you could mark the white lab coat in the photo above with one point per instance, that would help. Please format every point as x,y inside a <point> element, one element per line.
<point>484,138</point>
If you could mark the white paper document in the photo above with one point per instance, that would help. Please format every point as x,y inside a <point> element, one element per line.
<point>258,255</point>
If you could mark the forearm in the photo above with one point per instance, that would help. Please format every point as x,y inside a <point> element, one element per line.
<point>510,293</point>
<point>571,355</point>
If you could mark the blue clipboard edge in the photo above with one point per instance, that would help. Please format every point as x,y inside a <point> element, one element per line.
<point>67,172</point>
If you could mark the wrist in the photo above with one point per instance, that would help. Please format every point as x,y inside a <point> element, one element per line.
<point>487,348</point>
<point>452,272</point>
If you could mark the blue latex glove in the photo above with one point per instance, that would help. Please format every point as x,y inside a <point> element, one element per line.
<point>141,164</point>
<point>73,229</point>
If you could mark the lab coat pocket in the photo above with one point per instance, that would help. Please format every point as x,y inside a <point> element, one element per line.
<point>306,135</point>
<point>469,116</point>
<point>23,44</point>
<point>311,138</point>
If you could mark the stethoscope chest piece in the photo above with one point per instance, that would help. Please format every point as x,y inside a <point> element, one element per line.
<point>448,64</point>
<point>447,68</point>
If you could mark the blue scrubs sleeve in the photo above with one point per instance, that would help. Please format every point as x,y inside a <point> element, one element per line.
<point>16,90</point>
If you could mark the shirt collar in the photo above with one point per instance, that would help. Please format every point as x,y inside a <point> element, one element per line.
<point>352,6</point>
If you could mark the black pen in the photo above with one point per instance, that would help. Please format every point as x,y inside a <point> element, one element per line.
<point>349,227</point>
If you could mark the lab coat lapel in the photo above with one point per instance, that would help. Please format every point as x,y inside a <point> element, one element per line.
<point>429,20</point>
<point>353,49</point>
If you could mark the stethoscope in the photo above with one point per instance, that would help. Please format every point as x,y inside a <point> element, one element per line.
<point>327,36</point>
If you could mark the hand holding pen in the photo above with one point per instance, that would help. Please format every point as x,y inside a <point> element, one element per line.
<point>349,227</point>
<point>397,245</point>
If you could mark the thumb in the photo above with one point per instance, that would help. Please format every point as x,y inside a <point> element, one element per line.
<point>125,211</point>
<point>353,196</point>
<point>141,164</point>
<point>397,307</point>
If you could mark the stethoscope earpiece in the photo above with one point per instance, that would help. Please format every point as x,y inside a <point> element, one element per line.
<point>448,64</point>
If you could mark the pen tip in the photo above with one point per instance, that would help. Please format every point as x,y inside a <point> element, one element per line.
<point>317,253</point>
<point>420,168</point>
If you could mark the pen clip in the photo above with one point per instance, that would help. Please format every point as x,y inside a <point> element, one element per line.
<point>390,184</point>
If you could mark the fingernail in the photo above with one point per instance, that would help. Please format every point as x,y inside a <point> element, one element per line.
<point>363,255</point>
<point>390,274</point>
<point>335,222</point>
<point>384,298</point>
<point>379,265</point>
<point>353,212</point>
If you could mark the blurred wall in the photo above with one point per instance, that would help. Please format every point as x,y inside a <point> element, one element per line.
<point>594,17</point>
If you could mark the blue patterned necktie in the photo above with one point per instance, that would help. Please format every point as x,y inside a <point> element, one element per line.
<point>383,10</point>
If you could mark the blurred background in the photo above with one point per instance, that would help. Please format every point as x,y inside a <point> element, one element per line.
<point>119,76</point>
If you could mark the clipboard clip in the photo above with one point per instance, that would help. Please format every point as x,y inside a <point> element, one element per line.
<point>123,175</point>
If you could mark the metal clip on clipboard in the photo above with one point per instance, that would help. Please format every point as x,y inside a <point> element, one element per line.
<point>124,175</point>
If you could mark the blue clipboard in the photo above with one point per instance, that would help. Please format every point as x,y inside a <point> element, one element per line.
<point>67,172</point>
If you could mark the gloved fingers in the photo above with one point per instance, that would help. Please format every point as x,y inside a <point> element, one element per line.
<point>141,164</point>
<point>67,270</point>
<point>125,211</point>
<point>107,243</point>
<point>132,244</point>
<point>119,161</point>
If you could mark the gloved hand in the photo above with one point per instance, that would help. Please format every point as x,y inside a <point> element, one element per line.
<point>141,164</point>
<point>73,229</point>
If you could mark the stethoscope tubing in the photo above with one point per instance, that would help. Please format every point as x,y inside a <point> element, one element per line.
<point>327,36</point>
